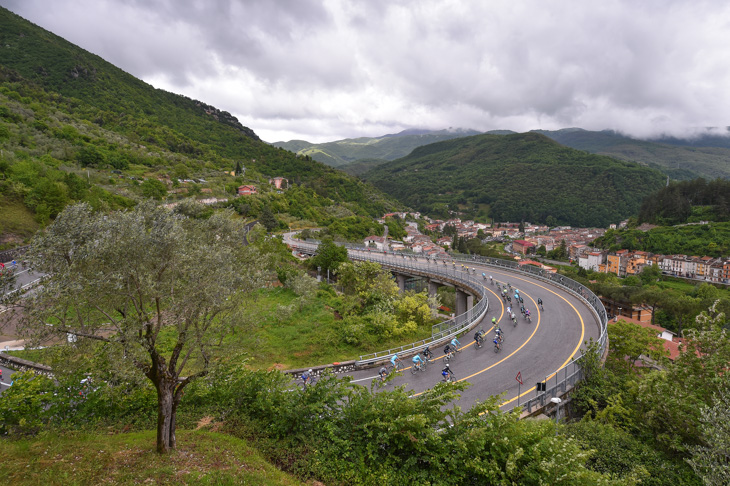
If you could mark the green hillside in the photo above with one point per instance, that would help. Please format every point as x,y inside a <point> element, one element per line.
<point>680,162</point>
<point>522,176</point>
<point>68,119</point>
<point>388,147</point>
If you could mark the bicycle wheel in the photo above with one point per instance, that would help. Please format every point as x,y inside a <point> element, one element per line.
<point>496,348</point>
<point>414,369</point>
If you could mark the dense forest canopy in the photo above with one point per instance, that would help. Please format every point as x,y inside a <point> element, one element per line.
<point>688,202</point>
<point>518,177</point>
<point>697,239</point>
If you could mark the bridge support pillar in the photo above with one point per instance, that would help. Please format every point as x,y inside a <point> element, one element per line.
<point>469,301</point>
<point>401,280</point>
<point>433,288</point>
<point>460,301</point>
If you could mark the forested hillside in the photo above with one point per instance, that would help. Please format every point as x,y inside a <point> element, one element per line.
<point>517,177</point>
<point>68,119</point>
<point>341,153</point>
<point>697,239</point>
<point>688,202</point>
<point>680,159</point>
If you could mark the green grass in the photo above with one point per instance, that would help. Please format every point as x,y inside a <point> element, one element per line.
<point>17,223</point>
<point>282,335</point>
<point>202,457</point>
<point>297,338</point>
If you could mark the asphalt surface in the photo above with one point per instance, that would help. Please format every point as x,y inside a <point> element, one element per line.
<point>534,349</point>
<point>24,276</point>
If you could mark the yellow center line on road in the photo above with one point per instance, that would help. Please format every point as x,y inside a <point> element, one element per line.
<point>539,318</point>
<point>580,341</point>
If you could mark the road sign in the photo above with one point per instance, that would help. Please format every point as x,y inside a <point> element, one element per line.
<point>540,386</point>
<point>519,377</point>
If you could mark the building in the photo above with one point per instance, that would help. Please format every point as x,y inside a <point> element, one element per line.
<point>246,190</point>
<point>591,260</point>
<point>378,242</point>
<point>522,246</point>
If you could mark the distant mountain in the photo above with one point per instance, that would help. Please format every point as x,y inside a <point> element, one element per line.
<point>707,156</point>
<point>388,147</point>
<point>517,177</point>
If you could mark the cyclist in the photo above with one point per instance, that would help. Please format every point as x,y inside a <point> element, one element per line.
<point>522,310</point>
<point>527,314</point>
<point>521,301</point>
<point>447,373</point>
<point>494,321</point>
<point>447,352</point>
<point>509,285</point>
<point>497,345</point>
<point>395,361</point>
<point>491,280</point>
<point>417,361</point>
<point>478,339</point>
<point>539,302</point>
<point>484,275</point>
<point>427,354</point>
<point>517,296</point>
<point>456,344</point>
<point>499,334</point>
<point>509,299</point>
<point>513,317</point>
<point>307,378</point>
<point>383,373</point>
<point>509,310</point>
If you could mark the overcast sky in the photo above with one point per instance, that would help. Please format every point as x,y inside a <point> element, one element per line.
<point>322,70</point>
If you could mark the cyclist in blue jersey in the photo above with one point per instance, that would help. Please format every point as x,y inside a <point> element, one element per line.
<point>456,344</point>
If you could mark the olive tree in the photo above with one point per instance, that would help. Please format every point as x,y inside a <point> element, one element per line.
<point>157,288</point>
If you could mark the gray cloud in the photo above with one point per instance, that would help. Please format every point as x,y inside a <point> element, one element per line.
<point>328,69</point>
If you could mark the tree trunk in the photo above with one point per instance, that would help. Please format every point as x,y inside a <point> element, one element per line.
<point>166,411</point>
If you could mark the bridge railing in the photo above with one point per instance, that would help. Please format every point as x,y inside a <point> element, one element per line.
<point>556,383</point>
<point>561,380</point>
<point>411,265</point>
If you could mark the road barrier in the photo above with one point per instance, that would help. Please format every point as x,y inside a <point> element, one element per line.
<point>562,380</point>
<point>557,383</point>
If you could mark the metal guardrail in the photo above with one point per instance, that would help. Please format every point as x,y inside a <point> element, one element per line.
<point>560,381</point>
<point>424,267</point>
<point>556,383</point>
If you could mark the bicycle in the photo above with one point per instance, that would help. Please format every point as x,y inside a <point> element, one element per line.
<point>380,379</point>
<point>497,346</point>
<point>541,308</point>
<point>479,341</point>
<point>448,377</point>
<point>398,365</point>
<point>528,317</point>
<point>309,381</point>
<point>418,367</point>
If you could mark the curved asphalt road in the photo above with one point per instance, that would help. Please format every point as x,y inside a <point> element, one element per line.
<point>536,349</point>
